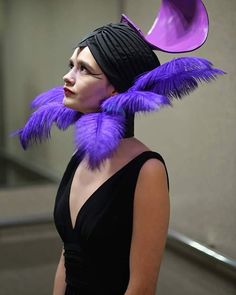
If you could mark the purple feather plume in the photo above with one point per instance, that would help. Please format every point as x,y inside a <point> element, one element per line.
<point>135,101</point>
<point>39,125</point>
<point>97,136</point>
<point>177,77</point>
<point>156,88</point>
<point>55,94</point>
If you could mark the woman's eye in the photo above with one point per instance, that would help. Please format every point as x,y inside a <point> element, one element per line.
<point>83,69</point>
<point>71,65</point>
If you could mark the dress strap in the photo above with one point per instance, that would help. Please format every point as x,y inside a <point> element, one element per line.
<point>150,155</point>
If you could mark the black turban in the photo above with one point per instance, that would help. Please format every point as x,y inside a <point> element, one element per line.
<point>121,54</point>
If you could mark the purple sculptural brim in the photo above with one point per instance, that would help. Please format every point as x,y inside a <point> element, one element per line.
<point>180,26</point>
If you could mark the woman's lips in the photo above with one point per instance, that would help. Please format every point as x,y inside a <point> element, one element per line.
<point>68,92</point>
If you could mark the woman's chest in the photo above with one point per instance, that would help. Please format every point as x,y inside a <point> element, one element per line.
<point>85,185</point>
<point>105,215</point>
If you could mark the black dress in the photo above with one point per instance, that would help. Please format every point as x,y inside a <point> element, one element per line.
<point>96,250</point>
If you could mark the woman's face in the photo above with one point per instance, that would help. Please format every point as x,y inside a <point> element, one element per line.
<point>85,84</point>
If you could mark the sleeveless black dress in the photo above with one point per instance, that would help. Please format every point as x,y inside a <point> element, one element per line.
<point>96,250</point>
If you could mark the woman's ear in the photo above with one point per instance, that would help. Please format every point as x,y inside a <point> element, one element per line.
<point>114,92</point>
<point>111,90</point>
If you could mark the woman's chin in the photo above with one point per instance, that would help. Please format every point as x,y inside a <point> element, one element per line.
<point>69,103</point>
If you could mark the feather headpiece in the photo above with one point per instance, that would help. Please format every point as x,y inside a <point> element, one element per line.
<point>125,55</point>
<point>97,135</point>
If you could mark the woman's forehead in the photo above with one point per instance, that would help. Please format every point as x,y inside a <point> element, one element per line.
<point>83,54</point>
<point>75,53</point>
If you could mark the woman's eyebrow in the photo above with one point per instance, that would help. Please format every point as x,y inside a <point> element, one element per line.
<point>88,66</point>
<point>71,62</point>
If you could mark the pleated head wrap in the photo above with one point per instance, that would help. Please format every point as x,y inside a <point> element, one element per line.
<point>121,54</point>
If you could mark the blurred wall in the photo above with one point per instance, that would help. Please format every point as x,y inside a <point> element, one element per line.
<point>2,121</point>
<point>196,136</point>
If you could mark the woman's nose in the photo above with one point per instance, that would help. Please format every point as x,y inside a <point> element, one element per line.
<point>68,79</point>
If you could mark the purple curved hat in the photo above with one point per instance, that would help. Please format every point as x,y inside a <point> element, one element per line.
<point>180,26</point>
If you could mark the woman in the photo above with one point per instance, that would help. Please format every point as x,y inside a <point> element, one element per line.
<point>112,206</point>
<point>120,254</point>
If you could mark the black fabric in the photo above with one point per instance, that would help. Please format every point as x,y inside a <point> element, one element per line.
<point>97,250</point>
<point>121,54</point>
<point>129,126</point>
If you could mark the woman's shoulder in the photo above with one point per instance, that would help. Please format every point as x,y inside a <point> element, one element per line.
<point>153,170</point>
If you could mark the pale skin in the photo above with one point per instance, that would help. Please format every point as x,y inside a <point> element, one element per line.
<point>151,199</point>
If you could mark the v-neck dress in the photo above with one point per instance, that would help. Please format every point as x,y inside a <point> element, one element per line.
<point>96,250</point>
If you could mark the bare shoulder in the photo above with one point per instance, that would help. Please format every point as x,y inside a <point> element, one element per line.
<point>152,165</point>
<point>151,193</point>
<point>153,172</point>
<point>152,186</point>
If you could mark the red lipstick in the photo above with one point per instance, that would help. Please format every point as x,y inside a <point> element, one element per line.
<point>68,92</point>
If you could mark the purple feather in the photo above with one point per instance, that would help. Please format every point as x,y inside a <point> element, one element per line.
<point>39,125</point>
<point>135,101</point>
<point>97,136</point>
<point>178,77</point>
<point>55,94</point>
